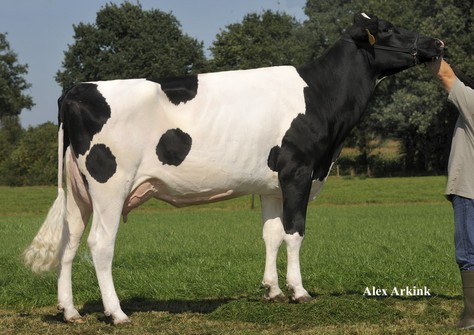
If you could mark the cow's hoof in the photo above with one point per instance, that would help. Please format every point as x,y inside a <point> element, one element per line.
<point>277,298</point>
<point>71,315</point>
<point>75,319</point>
<point>298,294</point>
<point>273,293</point>
<point>302,299</point>
<point>122,322</point>
<point>118,317</point>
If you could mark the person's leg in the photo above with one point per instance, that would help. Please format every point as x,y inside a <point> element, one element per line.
<point>464,232</point>
<point>464,244</point>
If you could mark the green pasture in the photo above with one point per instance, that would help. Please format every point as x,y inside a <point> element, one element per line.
<point>197,270</point>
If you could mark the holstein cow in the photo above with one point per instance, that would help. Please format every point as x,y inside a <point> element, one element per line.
<point>271,131</point>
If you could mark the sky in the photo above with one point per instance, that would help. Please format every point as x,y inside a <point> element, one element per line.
<point>39,31</point>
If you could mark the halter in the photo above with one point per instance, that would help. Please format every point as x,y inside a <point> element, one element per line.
<point>413,51</point>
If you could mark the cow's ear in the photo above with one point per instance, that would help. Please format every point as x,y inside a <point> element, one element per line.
<point>365,28</point>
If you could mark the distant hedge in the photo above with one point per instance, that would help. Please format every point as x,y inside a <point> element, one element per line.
<point>380,164</point>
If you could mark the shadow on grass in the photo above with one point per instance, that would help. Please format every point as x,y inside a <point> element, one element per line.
<point>140,304</point>
<point>207,306</point>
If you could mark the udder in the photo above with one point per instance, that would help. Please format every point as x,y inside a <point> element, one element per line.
<point>155,188</point>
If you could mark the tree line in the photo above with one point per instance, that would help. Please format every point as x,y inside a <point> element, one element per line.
<point>126,41</point>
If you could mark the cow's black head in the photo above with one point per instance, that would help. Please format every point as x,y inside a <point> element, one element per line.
<point>392,49</point>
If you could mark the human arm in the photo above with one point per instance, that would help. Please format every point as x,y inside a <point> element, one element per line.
<point>444,73</point>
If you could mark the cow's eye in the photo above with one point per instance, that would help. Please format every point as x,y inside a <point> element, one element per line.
<point>388,29</point>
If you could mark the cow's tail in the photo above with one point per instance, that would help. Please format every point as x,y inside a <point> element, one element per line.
<point>44,251</point>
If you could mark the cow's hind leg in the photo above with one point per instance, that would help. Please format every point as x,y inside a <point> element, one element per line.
<point>78,213</point>
<point>273,235</point>
<point>76,222</point>
<point>107,206</point>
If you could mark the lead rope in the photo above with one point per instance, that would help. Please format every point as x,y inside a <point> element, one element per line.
<point>414,50</point>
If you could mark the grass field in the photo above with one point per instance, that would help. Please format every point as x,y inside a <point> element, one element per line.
<point>197,270</point>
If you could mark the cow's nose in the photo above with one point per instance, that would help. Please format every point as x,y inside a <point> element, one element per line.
<point>439,44</point>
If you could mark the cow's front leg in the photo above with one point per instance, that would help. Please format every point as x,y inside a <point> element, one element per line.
<point>296,186</point>
<point>293,276</point>
<point>273,234</point>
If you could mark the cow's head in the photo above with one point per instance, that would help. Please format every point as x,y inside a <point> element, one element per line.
<point>393,49</point>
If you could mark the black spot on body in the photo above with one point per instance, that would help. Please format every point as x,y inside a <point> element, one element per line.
<point>179,90</point>
<point>173,147</point>
<point>84,111</point>
<point>100,163</point>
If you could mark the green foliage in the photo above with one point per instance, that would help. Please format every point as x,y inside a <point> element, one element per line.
<point>327,20</point>
<point>10,133</point>
<point>129,42</point>
<point>32,161</point>
<point>12,82</point>
<point>267,39</point>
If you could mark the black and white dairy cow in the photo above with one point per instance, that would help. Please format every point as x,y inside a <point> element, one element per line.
<point>272,131</point>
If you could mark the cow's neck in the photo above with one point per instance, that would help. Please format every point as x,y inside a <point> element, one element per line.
<point>340,85</point>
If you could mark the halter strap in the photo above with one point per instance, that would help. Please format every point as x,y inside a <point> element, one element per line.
<point>413,51</point>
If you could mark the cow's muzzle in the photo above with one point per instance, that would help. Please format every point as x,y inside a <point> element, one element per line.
<point>413,50</point>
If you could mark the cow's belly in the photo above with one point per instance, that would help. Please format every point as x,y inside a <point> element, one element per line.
<point>195,184</point>
<point>188,194</point>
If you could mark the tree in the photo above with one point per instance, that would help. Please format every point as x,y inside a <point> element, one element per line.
<point>12,98</point>
<point>327,20</point>
<point>266,39</point>
<point>10,134</point>
<point>33,160</point>
<point>128,42</point>
<point>12,82</point>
